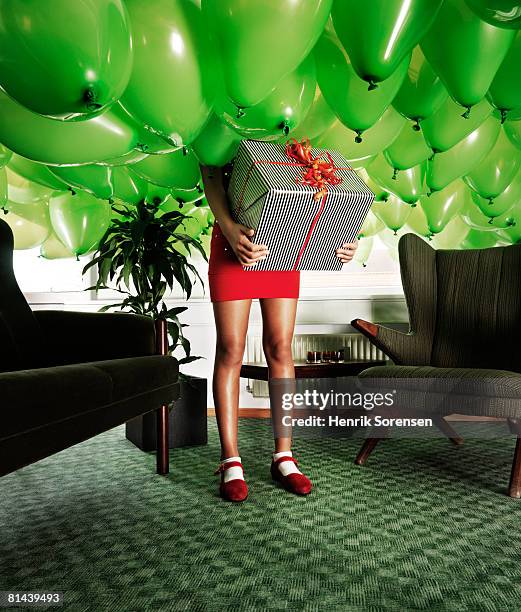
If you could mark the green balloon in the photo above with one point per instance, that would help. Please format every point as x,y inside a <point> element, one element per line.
<point>408,150</point>
<point>465,51</point>
<point>452,236</point>
<point>500,13</point>
<point>157,194</point>
<point>422,92</point>
<point>417,222</point>
<point>29,222</point>
<point>380,194</point>
<point>5,156</point>
<point>128,187</point>
<point>513,131</point>
<point>464,156</point>
<point>393,213</point>
<point>377,138</point>
<point>3,187</point>
<point>477,239</point>
<point>53,248</point>
<point>496,170</point>
<point>36,172</point>
<point>447,127</point>
<point>79,221</point>
<point>179,169</point>
<point>188,196</point>
<point>474,218</point>
<point>62,143</point>
<point>510,218</point>
<point>170,80</point>
<point>372,226</point>
<point>65,59</point>
<point>505,91</point>
<point>217,144</point>
<point>378,35</point>
<point>24,191</point>
<point>503,202</point>
<point>261,41</point>
<point>318,119</point>
<point>408,184</point>
<point>280,112</point>
<point>511,234</point>
<point>365,246</point>
<point>441,206</point>
<point>346,93</point>
<point>90,178</point>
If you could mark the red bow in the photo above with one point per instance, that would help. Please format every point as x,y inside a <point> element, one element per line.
<point>318,172</point>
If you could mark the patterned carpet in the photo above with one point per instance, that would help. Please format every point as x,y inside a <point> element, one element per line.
<point>424,526</point>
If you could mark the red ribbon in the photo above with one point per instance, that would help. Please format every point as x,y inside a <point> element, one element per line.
<point>318,172</point>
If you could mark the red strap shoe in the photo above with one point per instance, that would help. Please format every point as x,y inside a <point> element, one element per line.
<point>235,490</point>
<point>294,483</point>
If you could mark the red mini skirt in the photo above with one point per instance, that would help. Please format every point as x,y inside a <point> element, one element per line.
<point>228,281</point>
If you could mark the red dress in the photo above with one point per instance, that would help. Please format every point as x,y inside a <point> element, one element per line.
<point>227,279</point>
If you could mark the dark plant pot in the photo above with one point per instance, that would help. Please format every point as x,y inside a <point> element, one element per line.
<point>188,419</point>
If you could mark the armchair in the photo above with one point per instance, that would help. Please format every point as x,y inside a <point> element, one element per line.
<point>465,321</point>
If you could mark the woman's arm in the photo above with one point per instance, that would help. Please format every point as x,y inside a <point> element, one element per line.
<point>237,235</point>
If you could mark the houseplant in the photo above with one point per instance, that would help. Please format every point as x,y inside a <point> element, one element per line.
<point>144,253</point>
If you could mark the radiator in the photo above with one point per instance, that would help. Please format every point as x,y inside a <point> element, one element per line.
<point>355,346</point>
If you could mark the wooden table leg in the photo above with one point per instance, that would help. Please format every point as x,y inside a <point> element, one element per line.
<point>162,453</point>
<point>514,487</point>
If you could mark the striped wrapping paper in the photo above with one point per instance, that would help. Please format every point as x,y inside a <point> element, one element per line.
<point>301,233</point>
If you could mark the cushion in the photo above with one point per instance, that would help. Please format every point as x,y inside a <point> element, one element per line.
<point>33,398</point>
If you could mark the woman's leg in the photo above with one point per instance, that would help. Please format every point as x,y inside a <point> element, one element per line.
<point>278,316</point>
<point>231,321</point>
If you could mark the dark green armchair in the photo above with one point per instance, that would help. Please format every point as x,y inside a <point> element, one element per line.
<point>465,322</point>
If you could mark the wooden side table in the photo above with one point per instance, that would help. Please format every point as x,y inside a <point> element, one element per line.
<point>352,367</point>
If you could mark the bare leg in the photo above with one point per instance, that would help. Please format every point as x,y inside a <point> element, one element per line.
<point>278,316</point>
<point>231,321</point>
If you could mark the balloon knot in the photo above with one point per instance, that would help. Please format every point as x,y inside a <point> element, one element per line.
<point>77,257</point>
<point>466,114</point>
<point>395,174</point>
<point>142,147</point>
<point>284,127</point>
<point>491,201</point>
<point>364,265</point>
<point>71,190</point>
<point>490,221</point>
<point>90,98</point>
<point>414,205</point>
<point>4,210</point>
<point>358,137</point>
<point>372,85</point>
<point>511,222</point>
<point>416,126</point>
<point>430,192</point>
<point>111,201</point>
<point>240,112</point>
<point>503,115</point>
<point>396,232</point>
<point>430,236</point>
<point>185,151</point>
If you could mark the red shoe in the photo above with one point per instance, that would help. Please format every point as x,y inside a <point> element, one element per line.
<point>235,490</point>
<point>294,483</point>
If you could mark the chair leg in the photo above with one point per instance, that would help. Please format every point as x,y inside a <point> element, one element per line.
<point>162,441</point>
<point>447,430</point>
<point>514,488</point>
<point>367,448</point>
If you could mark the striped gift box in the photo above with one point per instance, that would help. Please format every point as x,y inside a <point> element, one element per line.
<point>301,232</point>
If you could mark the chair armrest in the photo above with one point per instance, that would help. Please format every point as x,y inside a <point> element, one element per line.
<point>75,337</point>
<point>406,349</point>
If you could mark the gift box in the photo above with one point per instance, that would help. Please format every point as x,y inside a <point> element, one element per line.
<point>303,203</point>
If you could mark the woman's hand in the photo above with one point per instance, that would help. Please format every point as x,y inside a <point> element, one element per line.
<point>347,251</point>
<point>247,253</point>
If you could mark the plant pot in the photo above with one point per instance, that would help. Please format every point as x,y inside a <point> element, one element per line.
<point>187,419</point>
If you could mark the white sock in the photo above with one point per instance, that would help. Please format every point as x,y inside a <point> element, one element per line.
<point>286,467</point>
<point>233,473</point>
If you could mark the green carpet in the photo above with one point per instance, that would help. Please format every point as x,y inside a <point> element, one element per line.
<point>424,526</point>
